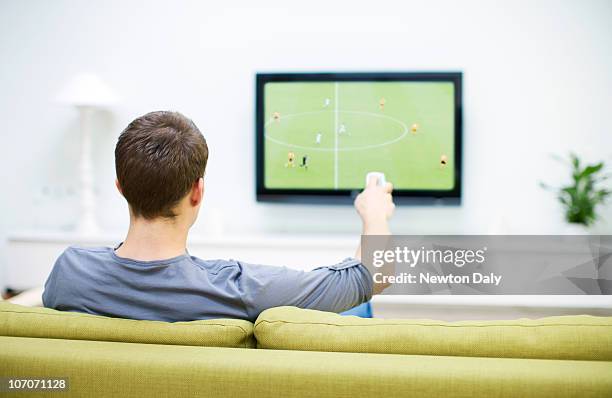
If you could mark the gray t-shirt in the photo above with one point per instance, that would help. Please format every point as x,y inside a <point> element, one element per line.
<point>184,288</point>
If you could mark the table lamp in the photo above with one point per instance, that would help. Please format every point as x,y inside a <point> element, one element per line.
<point>88,93</point>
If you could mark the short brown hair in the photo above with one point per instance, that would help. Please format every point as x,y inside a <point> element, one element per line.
<point>158,158</point>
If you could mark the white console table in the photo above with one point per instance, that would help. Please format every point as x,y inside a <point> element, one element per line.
<point>30,257</point>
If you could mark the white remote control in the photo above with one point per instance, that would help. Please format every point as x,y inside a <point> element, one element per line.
<point>381,178</point>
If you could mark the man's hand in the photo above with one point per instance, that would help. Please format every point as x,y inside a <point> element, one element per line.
<point>375,207</point>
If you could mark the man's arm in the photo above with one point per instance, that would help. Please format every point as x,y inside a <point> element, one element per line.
<point>333,288</point>
<point>375,207</point>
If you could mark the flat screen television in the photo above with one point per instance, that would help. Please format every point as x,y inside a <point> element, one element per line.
<point>319,134</point>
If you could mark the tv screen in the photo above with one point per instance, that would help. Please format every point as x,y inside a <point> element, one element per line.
<point>318,135</point>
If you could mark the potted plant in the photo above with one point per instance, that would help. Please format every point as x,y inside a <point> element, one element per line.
<point>582,196</point>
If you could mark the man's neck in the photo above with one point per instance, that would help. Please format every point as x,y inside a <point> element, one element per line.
<point>154,240</point>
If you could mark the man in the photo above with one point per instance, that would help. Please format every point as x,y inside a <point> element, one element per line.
<point>160,159</point>
<point>304,162</point>
<point>290,159</point>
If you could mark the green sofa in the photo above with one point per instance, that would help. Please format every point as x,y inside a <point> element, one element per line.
<point>291,352</point>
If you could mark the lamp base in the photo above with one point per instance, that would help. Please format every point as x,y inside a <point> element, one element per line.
<point>87,225</point>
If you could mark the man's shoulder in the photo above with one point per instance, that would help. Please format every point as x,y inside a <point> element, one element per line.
<point>215,265</point>
<point>84,250</point>
<point>72,253</point>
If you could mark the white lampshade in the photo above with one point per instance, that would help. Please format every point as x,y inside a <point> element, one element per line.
<point>87,89</point>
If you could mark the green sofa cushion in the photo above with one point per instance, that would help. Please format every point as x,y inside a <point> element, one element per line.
<point>562,337</point>
<point>16,320</point>
<point>105,369</point>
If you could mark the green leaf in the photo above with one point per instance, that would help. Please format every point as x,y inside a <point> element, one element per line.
<point>575,161</point>
<point>570,190</point>
<point>544,186</point>
<point>591,169</point>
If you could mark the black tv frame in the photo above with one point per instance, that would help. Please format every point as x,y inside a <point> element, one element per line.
<point>341,196</point>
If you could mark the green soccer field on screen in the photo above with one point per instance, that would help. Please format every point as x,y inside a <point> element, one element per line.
<point>329,135</point>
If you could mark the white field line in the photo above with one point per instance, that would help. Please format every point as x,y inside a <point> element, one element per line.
<point>344,149</point>
<point>336,136</point>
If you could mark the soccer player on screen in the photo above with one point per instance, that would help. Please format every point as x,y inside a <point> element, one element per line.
<point>342,129</point>
<point>290,160</point>
<point>304,162</point>
<point>443,161</point>
<point>318,138</point>
<point>326,102</point>
<point>276,117</point>
<point>382,103</point>
<point>414,128</point>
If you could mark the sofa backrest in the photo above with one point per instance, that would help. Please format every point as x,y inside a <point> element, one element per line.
<point>563,337</point>
<point>19,321</point>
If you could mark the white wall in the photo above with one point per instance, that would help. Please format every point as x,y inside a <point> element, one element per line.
<point>537,81</point>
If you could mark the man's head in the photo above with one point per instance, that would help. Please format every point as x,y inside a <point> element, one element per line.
<point>160,160</point>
